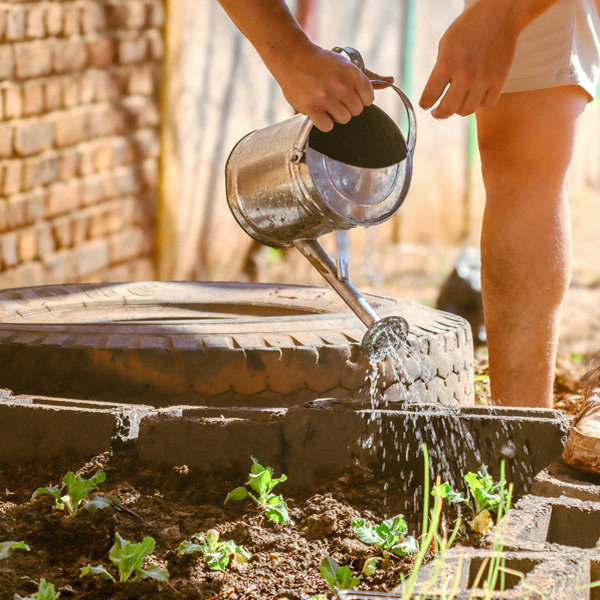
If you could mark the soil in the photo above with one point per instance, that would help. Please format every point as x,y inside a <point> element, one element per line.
<point>171,505</point>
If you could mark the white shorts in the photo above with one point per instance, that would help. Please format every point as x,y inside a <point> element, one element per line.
<point>561,47</point>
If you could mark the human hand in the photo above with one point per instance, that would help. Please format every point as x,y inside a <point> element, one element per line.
<point>325,85</point>
<point>473,63</point>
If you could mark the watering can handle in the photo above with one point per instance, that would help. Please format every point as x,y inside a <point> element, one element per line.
<point>357,60</point>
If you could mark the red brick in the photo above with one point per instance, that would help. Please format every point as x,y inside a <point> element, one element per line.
<point>147,143</point>
<point>93,189</point>
<point>80,226</point>
<point>16,211</point>
<point>3,214</point>
<point>70,91</point>
<point>103,155</point>
<point>126,180</point>
<point>70,127</point>
<point>143,269</point>
<point>123,151</point>
<point>99,225</point>
<point>156,13</point>
<point>136,14</point>
<point>127,245</point>
<point>62,198</point>
<point>149,172</point>
<point>132,49</point>
<point>36,21</point>
<point>71,19</point>
<point>33,98</point>
<point>30,273</point>
<point>27,244</point>
<point>93,18</point>
<point>92,256</point>
<point>60,267</point>
<point>32,137</point>
<point>119,273</point>
<point>44,240</point>
<point>62,230</point>
<point>69,55</point>
<point>15,23</point>
<point>12,175</point>
<point>54,18</point>
<point>3,19</point>
<point>68,164</point>
<point>102,52</point>
<point>116,222</point>
<point>156,45</point>
<point>35,207</point>
<point>116,15</point>
<point>87,88</point>
<point>106,120</point>
<point>13,102</point>
<point>141,81</point>
<point>9,249</point>
<point>85,164</point>
<point>33,59</point>
<point>5,140</point>
<point>7,61</point>
<point>52,94</point>
<point>40,170</point>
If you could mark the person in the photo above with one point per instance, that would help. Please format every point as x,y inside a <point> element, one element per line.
<point>527,69</point>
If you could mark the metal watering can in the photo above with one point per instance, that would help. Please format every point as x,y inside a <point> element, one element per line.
<point>290,183</point>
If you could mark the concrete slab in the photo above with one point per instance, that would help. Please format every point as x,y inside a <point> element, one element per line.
<point>553,525</point>
<point>559,479</point>
<point>41,427</point>
<point>542,575</point>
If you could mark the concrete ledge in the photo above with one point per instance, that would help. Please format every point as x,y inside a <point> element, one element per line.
<point>555,576</point>
<point>553,524</point>
<point>558,479</point>
<point>40,427</point>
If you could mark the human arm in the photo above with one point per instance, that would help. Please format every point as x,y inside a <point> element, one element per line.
<point>475,55</point>
<point>316,82</point>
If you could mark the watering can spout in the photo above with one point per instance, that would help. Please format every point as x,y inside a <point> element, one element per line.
<point>384,336</point>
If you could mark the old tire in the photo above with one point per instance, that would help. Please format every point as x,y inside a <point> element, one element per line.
<point>217,344</point>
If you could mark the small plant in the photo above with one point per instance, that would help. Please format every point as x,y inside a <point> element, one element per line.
<point>262,482</point>
<point>216,554</point>
<point>7,548</point>
<point>45,592</point>
<point>389,536</point>
<point>129,558</point>
<point>78,490</point>
<point>338,578</point>
<point>485,497</point>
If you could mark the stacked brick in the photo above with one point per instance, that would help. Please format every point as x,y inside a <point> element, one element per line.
<point>79,139</point>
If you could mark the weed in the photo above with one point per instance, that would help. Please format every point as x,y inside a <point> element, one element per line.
<point>77,490</point>
<point>262,482</point>
<point>128,558</point>
<point>216,554</point>
<point>338,578</point>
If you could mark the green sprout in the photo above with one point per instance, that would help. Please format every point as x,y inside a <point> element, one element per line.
<point>45,592</point>
<point>77,490</point>
<point>7,548</point>
<point>338,578</point>
<point>129,559</point>
<point>262,482</point>
<point>389,536</point>
<point>216,554</point>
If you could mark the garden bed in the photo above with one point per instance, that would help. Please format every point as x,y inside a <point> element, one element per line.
<point>171,505</point>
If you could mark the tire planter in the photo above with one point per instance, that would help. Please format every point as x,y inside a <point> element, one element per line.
<point>217,344</point>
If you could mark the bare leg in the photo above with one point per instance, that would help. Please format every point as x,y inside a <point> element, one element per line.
<point>526,143</point>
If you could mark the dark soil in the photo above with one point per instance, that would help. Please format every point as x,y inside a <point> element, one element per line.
<point>171,505</point>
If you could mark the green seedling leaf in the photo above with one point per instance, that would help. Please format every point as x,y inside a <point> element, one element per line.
<point>77,489</point>
<point>98,502</point>
<point>370,566</point>
<point>7,548</point>
<point>237,494</point>
<point>128,557</point>
<point>261,481</point>
<point>388,536</point>
<point>45,592</point>
<point>99,570</point>
<point>155,572</point>
<point>217,554</point>
<point>445,491</point>
<point>338,577</point>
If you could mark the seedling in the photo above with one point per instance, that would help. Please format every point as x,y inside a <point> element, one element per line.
<point>77,490</point>
<point>262,482</point>
<point>129,558</point>
<point>216,554</point>
<point>7,548</point>
<point>390,536</point>
<point>338,578</point>
<point>485,497</point>
<point>45,592</point>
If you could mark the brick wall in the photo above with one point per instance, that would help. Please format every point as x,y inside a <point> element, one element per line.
<point>79,140</point>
